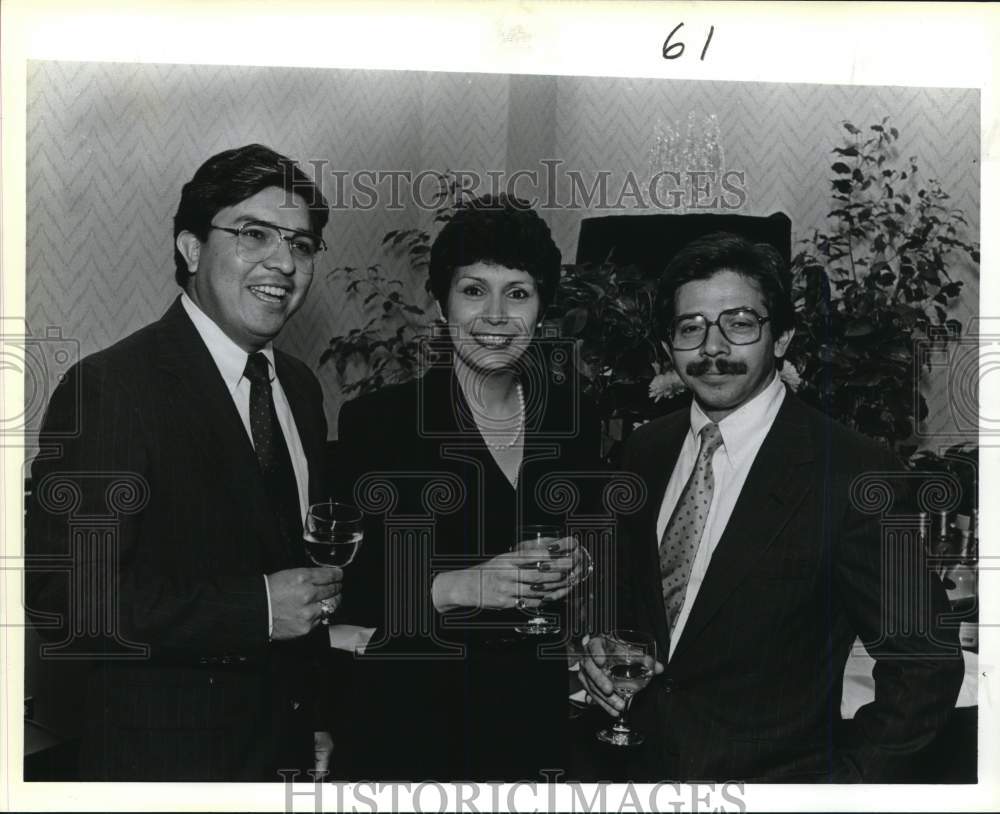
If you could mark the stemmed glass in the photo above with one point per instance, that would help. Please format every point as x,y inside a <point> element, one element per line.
<point>540,623</point>
<point>629,659</point>
<point>332,532</point>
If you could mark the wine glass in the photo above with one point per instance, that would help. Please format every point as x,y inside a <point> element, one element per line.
<point>332,532</point>
<point>540,623</point>
<point>629,659</point>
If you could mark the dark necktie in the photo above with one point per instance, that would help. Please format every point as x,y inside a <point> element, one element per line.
<point>272,452</point>
<point>683,533</point>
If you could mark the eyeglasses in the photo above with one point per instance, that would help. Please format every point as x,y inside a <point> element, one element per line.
<point>738,326</point>
<point>257,240</point>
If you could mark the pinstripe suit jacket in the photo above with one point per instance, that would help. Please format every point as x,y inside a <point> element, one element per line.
<point>149,531</point>
<point>753,689</point>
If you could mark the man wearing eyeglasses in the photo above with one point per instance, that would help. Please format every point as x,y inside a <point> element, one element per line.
<point>205,444</point>
<point>754,568</point>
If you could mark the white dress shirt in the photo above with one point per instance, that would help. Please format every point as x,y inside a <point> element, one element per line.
<point>231,360</point>
<point>743,432</point>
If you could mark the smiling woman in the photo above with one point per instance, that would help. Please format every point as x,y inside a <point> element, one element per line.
<point>452,688</point>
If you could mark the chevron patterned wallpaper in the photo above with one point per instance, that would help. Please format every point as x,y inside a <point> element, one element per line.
<point>110,145</point>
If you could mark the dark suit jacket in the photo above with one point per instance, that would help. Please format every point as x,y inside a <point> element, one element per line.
<point>456,695</point>
<point>753,690</point>
<point>148,496</point>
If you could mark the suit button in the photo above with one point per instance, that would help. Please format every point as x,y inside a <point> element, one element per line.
<point>211,679</point>
<point>296,705</point>
<point>668,685</point>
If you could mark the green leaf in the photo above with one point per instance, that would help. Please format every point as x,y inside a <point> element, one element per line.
<point>842,185</point>
<point>859,327</point>
<point>846,151</point>
<point>574,321</point>
<point>850,128</point>
<point>840,167</point>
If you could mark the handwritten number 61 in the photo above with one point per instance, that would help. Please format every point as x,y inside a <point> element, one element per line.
<point>676,49</point>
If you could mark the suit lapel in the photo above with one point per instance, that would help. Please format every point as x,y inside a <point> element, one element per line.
<point>773,489</point>
<point>655,468</point>
<point>213,421</point>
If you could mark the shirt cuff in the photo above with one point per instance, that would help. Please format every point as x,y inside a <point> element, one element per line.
<point>270,618</point>
<point>352,638</point>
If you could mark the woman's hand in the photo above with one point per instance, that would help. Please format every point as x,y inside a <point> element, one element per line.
<point>535,572</point>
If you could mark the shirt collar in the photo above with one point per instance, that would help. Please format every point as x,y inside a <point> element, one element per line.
<point>229,357</point>
<point>739,427</point>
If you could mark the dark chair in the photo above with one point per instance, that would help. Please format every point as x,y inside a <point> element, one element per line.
<point>649,241</point>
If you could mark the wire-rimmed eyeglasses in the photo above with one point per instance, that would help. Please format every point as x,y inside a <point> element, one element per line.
<point>257,240</point>
<point>738,326</point>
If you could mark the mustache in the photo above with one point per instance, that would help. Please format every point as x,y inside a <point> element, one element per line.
<point>723,366</point>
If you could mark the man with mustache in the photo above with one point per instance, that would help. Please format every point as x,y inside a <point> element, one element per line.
<point>753,567</point>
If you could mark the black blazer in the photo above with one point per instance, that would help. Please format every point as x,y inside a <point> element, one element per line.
<point>456,695</point>
<point>753,690</point>
<point>148,489</point>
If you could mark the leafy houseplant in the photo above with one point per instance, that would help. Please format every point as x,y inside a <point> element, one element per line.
<point>388,348</point>
<point>876,279</point>
<point>608,310</point>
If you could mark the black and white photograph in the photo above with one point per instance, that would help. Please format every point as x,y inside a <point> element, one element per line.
<point>500,436</point>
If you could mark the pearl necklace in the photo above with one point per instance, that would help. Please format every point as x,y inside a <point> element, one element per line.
<point>520,425</point>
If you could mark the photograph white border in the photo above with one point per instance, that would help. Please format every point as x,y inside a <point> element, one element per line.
<point>934,45</point>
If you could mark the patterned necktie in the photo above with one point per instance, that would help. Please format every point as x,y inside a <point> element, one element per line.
<point>272,452</point>
<point>682,535</point>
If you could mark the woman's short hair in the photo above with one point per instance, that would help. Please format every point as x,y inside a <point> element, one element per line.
<point>233,176</point>
<point>502,230</point>
<point>723,251</point>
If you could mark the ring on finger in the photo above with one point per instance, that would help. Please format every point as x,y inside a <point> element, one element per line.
<point>327,608</point>
<point>520,604</point>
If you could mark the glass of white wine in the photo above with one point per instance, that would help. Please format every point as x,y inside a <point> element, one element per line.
<point>629,661</point>
<point>333,533</point>
<point>547,623</point>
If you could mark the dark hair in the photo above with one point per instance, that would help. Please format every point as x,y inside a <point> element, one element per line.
<point>233,176</point>
<point>722,251</point>
<point>495,229</point>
